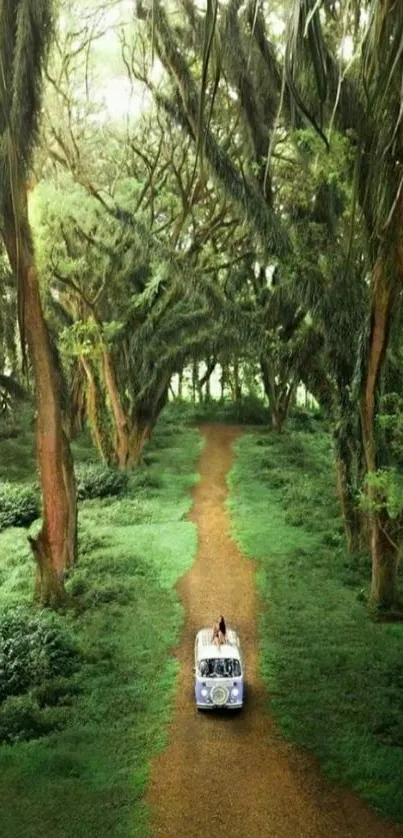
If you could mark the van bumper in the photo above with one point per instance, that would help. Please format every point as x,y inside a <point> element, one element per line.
<point>211,706</point>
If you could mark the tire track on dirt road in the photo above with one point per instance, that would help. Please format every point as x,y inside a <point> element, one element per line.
<point>232,774</point>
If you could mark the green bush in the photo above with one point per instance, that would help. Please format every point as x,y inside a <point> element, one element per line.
<point>9,431</point>
<point>97,480</point>
<point>142,479</point>
<point>21,719</point>
<point>302,419</point>
<point>58,690</point>
<point>18,505</point>
<point>250,410</point>
<point>34,646</point>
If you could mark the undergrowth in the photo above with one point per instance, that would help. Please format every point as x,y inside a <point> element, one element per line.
<point>77,742</point>
<point>334,678</point>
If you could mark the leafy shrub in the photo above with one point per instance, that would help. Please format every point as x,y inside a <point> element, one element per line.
<point>59,690</point>
<point>117,594</point>
<point>18,505</point>
<point>97,480</point>
<point>302,419</point>
<point>142,479</point>
<point>275,478</point>
<point>9,432</point>
<point>249,410</point>
<point>34,646</point>
<point>21,719</point>
<point>88,541</point>
<point>295,519</point>
<point>78,585</point>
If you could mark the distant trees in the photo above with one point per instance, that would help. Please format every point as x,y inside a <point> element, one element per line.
<point>265,99</point>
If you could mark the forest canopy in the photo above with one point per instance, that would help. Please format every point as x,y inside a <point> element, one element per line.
<point>211,186</point>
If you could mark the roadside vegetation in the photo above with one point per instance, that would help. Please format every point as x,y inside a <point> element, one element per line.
<point>334,678</point>
<point>85,694</point>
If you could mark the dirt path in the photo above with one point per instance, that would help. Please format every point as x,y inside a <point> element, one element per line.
<point>232,775</point>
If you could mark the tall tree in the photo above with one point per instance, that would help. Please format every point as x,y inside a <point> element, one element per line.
<point>25,35</point>
<point>364,101</point>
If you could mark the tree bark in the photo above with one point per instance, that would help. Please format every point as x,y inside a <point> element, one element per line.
<point>180,386</point>
<point>195,378</point>
<point>55,547</point>
<point>223,381</point>
<point>94,408</point>
<point>349,511</point>
<point>204,381</point>
<point>385,558</point>
<point>237,382</point>
<point>279,396</point>
<point>75,419</point>
<point>138,438</point>
<point>122,442</point>
<point>384,554</point>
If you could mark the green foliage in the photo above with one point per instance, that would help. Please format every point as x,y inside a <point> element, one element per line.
<point>333,677</point>
<point>390,424</point>
<point>17,462</point>
<point>250,410</point>
<point>23,24</point>
<point>56,691</point>
<point>34,646</point>
<point>302,419</point>
<point>19,505</point>
<point>97,480</point>
<point>22,720</point>
<point>383,491</point>
<point>99,726</point>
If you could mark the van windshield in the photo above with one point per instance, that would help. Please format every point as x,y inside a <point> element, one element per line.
<point>220,668</point>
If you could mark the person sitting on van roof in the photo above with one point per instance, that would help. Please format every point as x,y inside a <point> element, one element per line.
<point>219,632</point>
<point>222,628</point>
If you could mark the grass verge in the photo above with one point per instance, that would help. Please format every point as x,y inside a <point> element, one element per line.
<point>86,779</point>
<point>334,678</point>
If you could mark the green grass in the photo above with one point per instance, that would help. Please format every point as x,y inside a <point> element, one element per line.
<point>88,778</point>
<point>334,678</point>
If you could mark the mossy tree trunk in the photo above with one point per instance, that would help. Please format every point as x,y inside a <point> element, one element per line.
<point>348,505</point>
<point>95,410</point>
<point>55,547</point>
<point>121,426</point>
<point>74,421</point>
<point>279,395</point>
<point>384,552</point>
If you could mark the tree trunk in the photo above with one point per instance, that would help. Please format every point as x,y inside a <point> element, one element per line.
<point>349,511</point>
<point>121,428</point>
<point>55,547</point>
<point>385,559</point>
<point>223,381</point>
<point>384,554</point>
<point>279,395</point>
<point>277,417</point>
<point>204,381</point>
<point>237,382</point>
<point>195,379</point>
<point>75,419</point>
<point>180,386</point>
<point>94,410</point>
<point>138,438</point>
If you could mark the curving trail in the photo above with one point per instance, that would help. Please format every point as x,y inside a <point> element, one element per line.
<point>232,775</point>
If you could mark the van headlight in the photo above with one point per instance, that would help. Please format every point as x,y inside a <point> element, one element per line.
<point>235,692</point>
<point>204,693</point>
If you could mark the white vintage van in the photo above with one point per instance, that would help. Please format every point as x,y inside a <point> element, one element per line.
<point>219,675</point>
